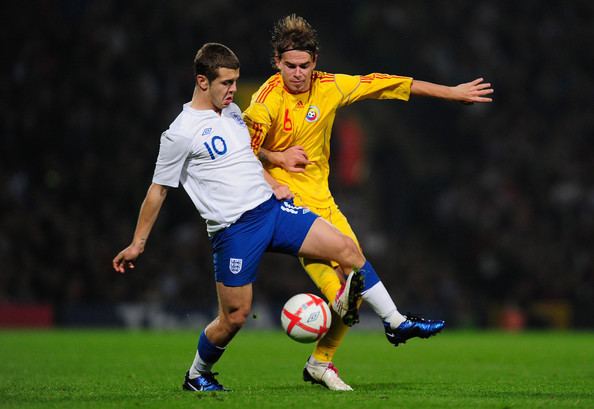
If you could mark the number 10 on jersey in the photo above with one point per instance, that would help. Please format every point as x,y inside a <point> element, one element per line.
<point>217,147</point>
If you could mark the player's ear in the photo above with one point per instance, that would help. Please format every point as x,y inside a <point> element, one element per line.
<point>277,61</point>
<point>202,82</point>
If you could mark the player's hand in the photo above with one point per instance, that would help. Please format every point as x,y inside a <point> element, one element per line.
<point>282,192</point>
<point>473,91</point>
<point>295,159</point>
<point>126,258</point>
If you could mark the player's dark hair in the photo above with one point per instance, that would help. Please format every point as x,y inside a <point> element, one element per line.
<point>293,33</point>
<point>212,56</point>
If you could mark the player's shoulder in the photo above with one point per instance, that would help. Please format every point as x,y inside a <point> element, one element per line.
<point>339,84</point>
<point>233,112</point>
<point>270,89</point>
<point>268,99</point>
<point>176,134</point>
<point>188,122</point>
<point>233,109</point>
<point>327,81</point>
<point>323,77</point>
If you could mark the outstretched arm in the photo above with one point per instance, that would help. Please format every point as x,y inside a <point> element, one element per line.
<point>468,92</point>
<point>151,206</point>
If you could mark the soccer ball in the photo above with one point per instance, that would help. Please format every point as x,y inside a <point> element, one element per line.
<point>306,318</point>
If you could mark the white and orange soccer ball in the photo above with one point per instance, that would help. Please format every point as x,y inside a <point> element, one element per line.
<point>306,318</point>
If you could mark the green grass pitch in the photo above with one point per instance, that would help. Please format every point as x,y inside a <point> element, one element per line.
<point>120,369</point>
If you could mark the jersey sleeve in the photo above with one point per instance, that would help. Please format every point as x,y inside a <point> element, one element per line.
<point>258,116</point>
<point>258,120</point>
<point>372,86</point>
<point>173,152</point>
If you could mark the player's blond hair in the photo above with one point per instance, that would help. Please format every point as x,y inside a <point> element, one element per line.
<point>293,32</point>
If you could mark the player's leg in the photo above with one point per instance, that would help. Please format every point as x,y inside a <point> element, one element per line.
<point>325,242</point>
<point>301,232</point>
<point>319,367</point>
<point>237,251</point>
<point>324,275</point>
<point>293,226</point>
<point>234,306</point>
<point>398,328</point>
<point>376,296</point>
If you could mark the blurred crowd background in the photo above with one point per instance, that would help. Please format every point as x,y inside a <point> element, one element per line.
<point>482,215</point>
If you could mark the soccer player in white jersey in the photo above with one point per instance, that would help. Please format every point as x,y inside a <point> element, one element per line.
<point>207,149</point>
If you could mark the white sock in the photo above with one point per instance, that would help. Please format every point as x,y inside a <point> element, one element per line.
<point>199,366</point>
<point>381,302</point>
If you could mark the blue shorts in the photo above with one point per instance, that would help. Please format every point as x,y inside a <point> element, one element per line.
<point>275,226</point>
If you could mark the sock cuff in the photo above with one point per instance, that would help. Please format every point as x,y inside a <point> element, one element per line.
<point>208,351</point>
<point>369,275</point>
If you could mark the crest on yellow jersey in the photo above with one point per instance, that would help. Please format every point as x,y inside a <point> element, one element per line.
<point>313,113</point>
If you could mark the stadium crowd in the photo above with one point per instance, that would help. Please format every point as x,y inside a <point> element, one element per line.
<point>464,210</point>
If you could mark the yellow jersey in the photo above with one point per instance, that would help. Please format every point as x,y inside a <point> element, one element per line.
<point>278,119</point>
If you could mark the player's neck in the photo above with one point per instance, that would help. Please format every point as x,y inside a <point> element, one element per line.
<point>201,102</point>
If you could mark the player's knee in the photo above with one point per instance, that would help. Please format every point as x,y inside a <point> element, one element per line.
<point>237,319</point>
<point>350,254</point>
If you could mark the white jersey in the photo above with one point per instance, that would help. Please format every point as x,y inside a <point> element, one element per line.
<point>211,155</point>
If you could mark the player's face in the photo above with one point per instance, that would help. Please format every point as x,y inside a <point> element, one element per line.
<point>222,89</point>
<point>296,68</point>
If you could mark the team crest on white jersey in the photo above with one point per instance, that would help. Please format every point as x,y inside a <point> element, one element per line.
<point>238,119</point>
<point>235,265</point>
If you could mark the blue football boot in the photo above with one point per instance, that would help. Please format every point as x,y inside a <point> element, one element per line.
<point>206,382</point>
<point>413,327</point>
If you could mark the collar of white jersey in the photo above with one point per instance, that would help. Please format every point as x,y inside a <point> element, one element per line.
<point>209,112</point>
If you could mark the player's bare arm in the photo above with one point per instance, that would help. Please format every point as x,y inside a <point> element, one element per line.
<point>149,211</point>
<point>468,92</point>
<point>280,191</point>
<point>293,159</point>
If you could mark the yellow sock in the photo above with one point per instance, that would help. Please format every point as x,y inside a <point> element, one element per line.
<point>326,279</point>
<point>327,346</point>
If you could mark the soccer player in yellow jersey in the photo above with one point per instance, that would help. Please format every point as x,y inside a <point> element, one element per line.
<point>290,121</point>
